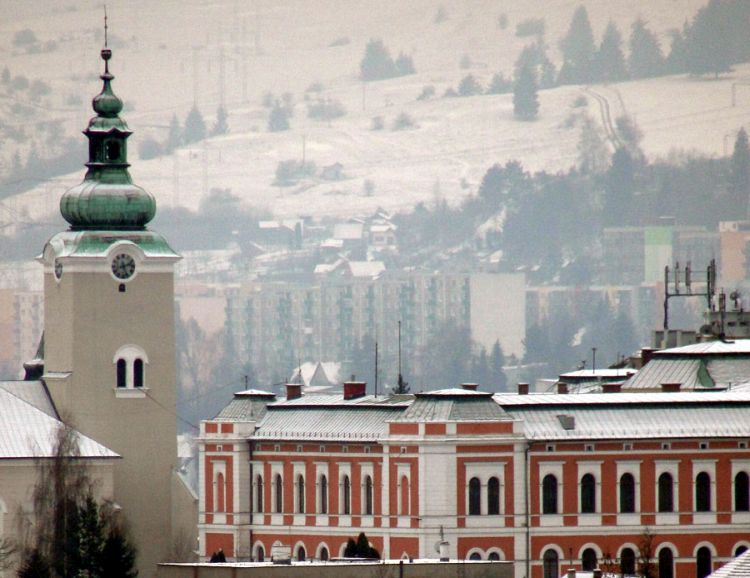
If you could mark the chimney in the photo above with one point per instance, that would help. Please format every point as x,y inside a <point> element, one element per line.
<point>354,389</point>
<point>523,389</point>
<point>562,387</point>
<point>293,390</point>
<point>647,354</point>
<point>469,386</point>
<point>611,387</point>
<point>671,387</point>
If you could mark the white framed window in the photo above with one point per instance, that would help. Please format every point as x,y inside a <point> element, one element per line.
<point>130,363</point>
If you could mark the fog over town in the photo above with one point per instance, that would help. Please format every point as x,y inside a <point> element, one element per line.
<point>481,191</point>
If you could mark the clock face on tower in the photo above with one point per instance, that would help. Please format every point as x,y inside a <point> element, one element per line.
<point>123,266</point>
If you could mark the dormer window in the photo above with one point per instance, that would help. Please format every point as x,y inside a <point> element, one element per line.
<point>130,363</point>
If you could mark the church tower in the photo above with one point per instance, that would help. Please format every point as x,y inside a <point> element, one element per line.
<point>109,327</point>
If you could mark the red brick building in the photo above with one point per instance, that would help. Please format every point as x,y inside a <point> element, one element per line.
<point>549,481</point>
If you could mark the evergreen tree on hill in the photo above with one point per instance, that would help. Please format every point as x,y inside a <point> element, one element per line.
<point>709,43</point>
<point>174,138</point>
<point>221,122</point>
<point>195,127</point>
<point>525,100</point>
<point>578,49</point>
<point>645,59</point>
<point>609,61</point>
<point>619,188</point>
<point>377,63</point>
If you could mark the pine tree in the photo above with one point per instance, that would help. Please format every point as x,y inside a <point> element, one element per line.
<point>497,361</point>
<point>377,62</point>
<point>278,119</point>
<point>36,565</point>
<point>645,55</point>
<point>740,172</point>
<point>195,127</point>
<point>174,138</point>
<point>118,555</point>
<point>525,101</point>
<point>676,62</point>
<point>90,539</point>
<point>709,45</point>
<point>619,188</point>
<point>578,49</point>
<point>221,122</point>
<point>609,60</point>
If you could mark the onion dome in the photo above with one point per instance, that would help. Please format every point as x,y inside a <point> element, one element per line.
<point>107,199</point>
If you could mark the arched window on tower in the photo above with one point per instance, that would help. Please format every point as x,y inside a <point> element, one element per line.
<point>588,560</point>
<point>138,373</point>
<point>404,495</point>
<point>741,492</point>
<point>475,497</point>
<point>122,373</point>
<point>627,494</point>
<point>666,493</point>
<point>220,493</point>
<point>703,492</point>
<point>549,494</point>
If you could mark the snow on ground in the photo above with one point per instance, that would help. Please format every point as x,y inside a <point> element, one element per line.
<point>161,70</point>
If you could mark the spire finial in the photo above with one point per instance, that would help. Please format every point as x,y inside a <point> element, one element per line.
<point>105,26</point>
<point>106,52</point>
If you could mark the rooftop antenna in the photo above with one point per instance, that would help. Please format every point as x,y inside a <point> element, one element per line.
<point>376,368</point>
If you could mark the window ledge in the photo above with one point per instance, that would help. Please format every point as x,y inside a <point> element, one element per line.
<point>130,392</point>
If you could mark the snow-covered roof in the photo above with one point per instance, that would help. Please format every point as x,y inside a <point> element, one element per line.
<point>738,567</point>
<point>29,432</point>
<point>366,268</point>
<point>348,231</point>
<point>734,347</point>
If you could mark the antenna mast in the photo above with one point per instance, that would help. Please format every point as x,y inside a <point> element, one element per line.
<point>376,369</point>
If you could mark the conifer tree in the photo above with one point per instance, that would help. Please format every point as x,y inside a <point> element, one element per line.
<point>174,138</point>
<point>377,62</point>
<point>497,361</point>
<point>195,127</point>
<point>645,55</point>
<point>525,100</point>
<point>221,122</point>
<point>609,60</point>
<point>709,43</point>
<point>278,119</point>
<point>578,49</point>
<point>118,555</point>
<point>36,565</point>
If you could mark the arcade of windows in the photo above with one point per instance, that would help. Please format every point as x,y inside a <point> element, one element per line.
<point>322,495</point>
<point>130,362</point>
<point>665,499</point>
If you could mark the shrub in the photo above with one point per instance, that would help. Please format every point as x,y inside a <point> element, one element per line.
<point>290,171</point>
<point>530,27</point>
<point>499,85</point>
<point>377,123</point>
<point>25,37</point>
<point>327,109</point>
<point>403,121</point>
<point>469,86</point>
<point>428,92</point>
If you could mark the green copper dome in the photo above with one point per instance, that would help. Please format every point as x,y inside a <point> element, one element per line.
<point>107,199</point>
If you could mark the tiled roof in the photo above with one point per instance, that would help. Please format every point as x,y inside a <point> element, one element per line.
<point>341,423</point>
<point>738,567</point>
<point>28,432</point>
<point>509,400</point>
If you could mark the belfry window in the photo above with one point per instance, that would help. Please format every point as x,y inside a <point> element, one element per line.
<point>130,363</point>
<point>112,150</point>
<point>493,496</point>
<point>475,497</point>
<point>121,373</point>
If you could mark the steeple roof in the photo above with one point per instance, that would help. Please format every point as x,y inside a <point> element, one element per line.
<point>107,199</point>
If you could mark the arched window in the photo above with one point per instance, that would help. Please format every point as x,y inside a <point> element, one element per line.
<point>220,499</point>
<point>741,492</point>
<point>475,497</point>
<point>703,562</point>
<point>588,494</point>
<point>588,560</point>
<point>666,495</point>
<point>475,556</point>
<point>260,554</point>
<point>259,493</point>
<point>703,492</point>
<point>666,563</point>
<point>493,497</point>
<point>301,554</point>
<point>368,496</point>
<point>740,550</point>
<point>346,497</point>
<point>627,562</point>
<point>551,563</point>
<point>323,494</point>
<point>138,373</point>
<point>324,554</point>
<point>278,494</point>
<point>300,494</point>
<point>122,373</point>
<point>549,496</point>
<point>627,494</point>
<point>493,556</point>
<point>404,496</point>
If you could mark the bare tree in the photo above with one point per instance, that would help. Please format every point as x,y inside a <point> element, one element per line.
<point>647,566</point>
